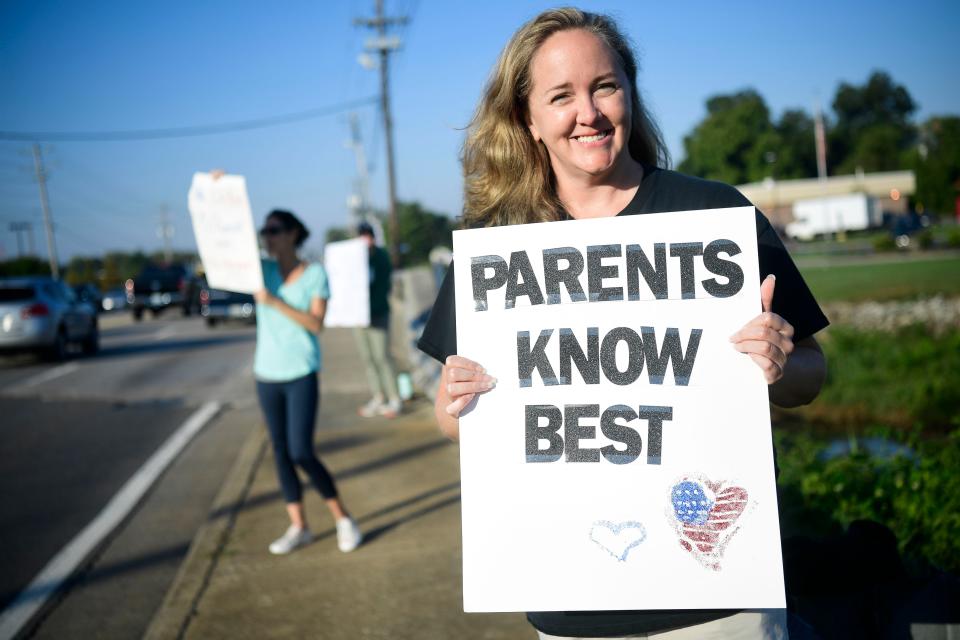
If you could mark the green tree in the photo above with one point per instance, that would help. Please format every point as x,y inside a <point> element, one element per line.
<point>25,266</point>
<point>118,266</point>
<point>872,129</point>
<point>738,142</point>
<point>81,270</point>
<point>796,152</point>
<point>112,276</point>
<point>336,234</point>
<point>176,257</point>
<point>936,162</point>
<point>732,142</point>
<point>420,231</point>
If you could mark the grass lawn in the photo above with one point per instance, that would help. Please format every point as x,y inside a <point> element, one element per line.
<point>902,279</point>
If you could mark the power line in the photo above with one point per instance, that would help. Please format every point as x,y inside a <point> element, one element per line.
<point>14,169</point>
<point>23,227</point>
<point>184,132</point>
<point>17,190</point>
<point>128,218</point>
<point>72,193</point>
<point>90,201</point>
<point>82,237</point>
<point>110,185</point>
<point>108,223</point>
<point>96,217</point>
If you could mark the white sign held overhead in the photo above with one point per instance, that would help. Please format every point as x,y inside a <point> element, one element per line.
<point>348,271</point>
<point>624,458</point>
<point>225,233</point>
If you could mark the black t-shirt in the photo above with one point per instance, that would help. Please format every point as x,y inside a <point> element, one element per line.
<point>660,191</point>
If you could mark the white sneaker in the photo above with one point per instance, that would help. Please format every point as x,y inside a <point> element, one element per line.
<point>371,409</point>
<point>391,409</point>
<point>294,538</point>
<point>348,535</point>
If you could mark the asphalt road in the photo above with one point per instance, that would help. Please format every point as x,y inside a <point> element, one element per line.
<point>73,433</point>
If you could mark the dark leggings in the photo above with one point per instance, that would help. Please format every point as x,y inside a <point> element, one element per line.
<point>290,410</point>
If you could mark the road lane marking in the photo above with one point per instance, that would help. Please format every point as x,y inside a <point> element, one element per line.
<point>165,333</point>
<point>59,569</point>
<point>50,374</point>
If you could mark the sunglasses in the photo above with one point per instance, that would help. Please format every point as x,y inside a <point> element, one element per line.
<point>273,230</point>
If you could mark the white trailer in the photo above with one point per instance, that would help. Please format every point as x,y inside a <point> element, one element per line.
<point>834,214</point>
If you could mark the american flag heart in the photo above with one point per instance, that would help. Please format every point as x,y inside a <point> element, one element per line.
<point>704,515</point>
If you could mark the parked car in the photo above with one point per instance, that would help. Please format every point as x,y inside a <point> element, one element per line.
<point>43,315</point>
<point>217,306</point>
<point>114,300</point>
<point>90,294</point>
<point>159,287</point>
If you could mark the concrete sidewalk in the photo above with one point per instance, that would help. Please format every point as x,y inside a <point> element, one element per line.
<point>399,478</point>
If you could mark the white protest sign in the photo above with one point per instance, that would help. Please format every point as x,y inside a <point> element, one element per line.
<point>624,459</point>
<point>225,233</point>
<point>348,271</point>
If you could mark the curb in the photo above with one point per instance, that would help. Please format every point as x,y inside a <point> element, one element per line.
<point>184,595</point>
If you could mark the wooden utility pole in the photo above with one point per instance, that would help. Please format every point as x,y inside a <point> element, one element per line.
<point>41,174</point>
<point>384,45</point>
<point>820,139</point>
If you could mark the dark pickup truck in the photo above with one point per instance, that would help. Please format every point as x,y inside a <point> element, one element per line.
<point>220,306</point>
<point>159,287</point>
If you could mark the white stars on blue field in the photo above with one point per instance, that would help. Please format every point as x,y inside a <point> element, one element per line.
<point>690,503</point>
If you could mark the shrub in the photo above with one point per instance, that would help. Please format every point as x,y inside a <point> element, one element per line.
<point>884,243</point>
<point>918,499</point>
<point>953,238</point>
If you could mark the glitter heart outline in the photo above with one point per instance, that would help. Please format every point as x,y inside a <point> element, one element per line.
<point>616,528</point>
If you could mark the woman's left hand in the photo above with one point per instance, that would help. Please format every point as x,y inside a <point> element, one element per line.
<point>264,297</point>
<point>768,338</point>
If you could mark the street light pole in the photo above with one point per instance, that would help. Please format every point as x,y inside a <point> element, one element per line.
<point>360,198</point>
<point>165,231</point>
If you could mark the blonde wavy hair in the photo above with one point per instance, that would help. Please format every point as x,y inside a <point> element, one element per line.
<point>507,174</point>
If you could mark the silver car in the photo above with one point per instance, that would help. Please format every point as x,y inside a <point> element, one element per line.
<point>44,315</point>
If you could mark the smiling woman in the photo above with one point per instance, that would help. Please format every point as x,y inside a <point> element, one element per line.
<point>560,133</point>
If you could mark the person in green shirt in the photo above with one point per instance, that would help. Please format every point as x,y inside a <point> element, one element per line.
<point>374,341</point>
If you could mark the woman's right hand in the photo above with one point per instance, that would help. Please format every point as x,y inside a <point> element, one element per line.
<point>464,379</point>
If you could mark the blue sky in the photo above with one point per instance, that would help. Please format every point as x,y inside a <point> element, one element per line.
<point>87,66</point>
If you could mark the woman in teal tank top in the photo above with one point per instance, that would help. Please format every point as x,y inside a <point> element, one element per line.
<point>290,311</point>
